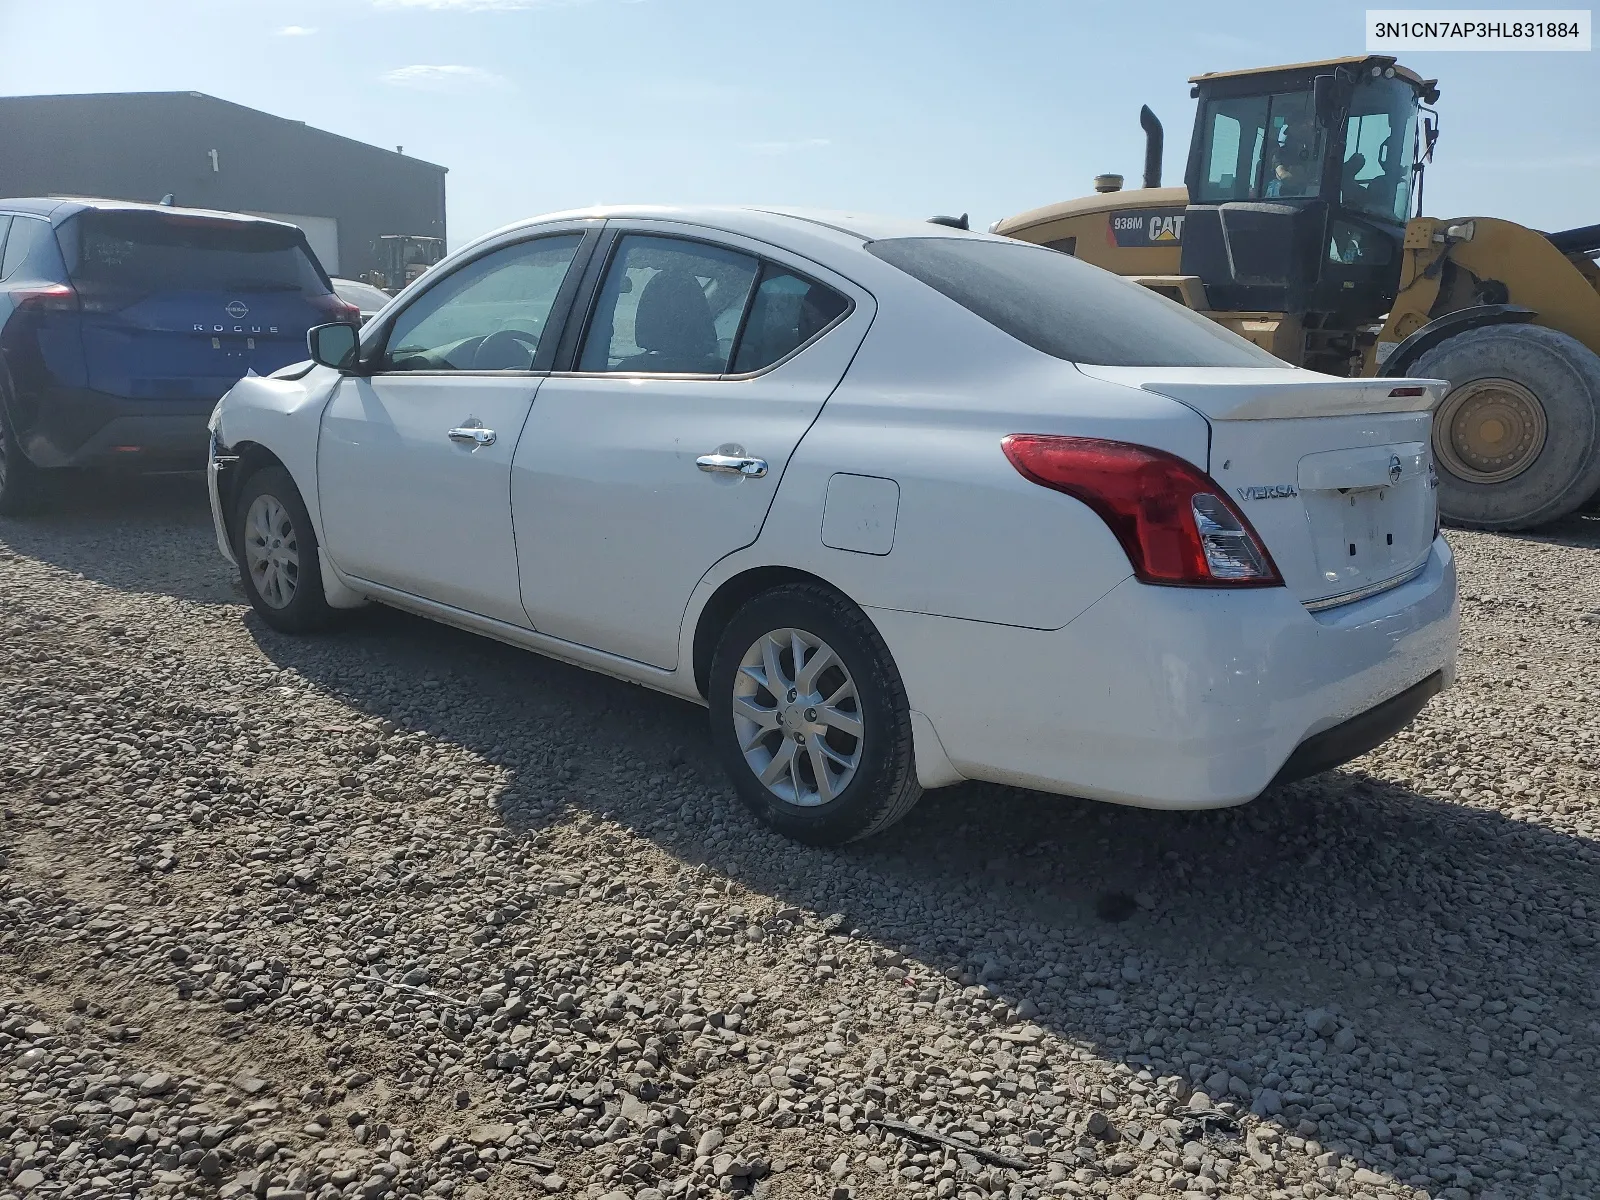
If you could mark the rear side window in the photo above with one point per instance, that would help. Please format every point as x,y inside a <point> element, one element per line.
<point>787,312</point>
<point>1066,308</point>
<point>25,246</point>
<point>152,252</point>
<point>668,306</point>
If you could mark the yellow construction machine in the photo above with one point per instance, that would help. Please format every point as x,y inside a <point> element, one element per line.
<point>1300,228</point>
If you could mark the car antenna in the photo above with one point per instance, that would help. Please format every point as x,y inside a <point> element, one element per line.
<point>953,222</point>
<point>169,200</point>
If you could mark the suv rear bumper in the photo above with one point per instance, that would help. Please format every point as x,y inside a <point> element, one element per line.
<point>80,427</point>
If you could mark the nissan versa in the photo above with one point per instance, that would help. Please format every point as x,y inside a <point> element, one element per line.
<point>121,324</point>
<point>901,504</point>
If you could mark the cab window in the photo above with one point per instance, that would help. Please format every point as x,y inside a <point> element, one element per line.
<point>1259,147</point>
<point>1379,146</point>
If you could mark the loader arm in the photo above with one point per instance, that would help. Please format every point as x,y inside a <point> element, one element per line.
<point>1500,262</point>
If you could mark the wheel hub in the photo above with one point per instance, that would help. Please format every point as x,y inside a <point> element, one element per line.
<point>797,717</point>
<point>272,551</point>
<point>1489,430</point>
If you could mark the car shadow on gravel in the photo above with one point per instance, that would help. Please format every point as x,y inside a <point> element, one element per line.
<point>1345,944</point>
<point>1580,530</point>
<point>100,527</point>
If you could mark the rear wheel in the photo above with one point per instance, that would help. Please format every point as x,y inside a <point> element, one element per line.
<point>20,482</point>
<point>277,553</point>
<point>1516,442</point>
<point>810,717</point>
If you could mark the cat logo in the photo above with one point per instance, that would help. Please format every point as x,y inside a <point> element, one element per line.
<point>1146,227</point>
<point>1166,229</point>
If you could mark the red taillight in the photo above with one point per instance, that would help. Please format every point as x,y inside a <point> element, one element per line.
<point>1176,524</point>
<point>335,310</point>
<point>47,297</point>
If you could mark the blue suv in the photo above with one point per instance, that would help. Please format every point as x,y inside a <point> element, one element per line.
<point>122,324</point>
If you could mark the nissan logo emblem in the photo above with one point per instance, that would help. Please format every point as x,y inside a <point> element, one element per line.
<point>238,310</point>
<point>1396,468</point>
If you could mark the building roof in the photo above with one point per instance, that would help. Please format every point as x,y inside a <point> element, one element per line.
<point>136,97</point>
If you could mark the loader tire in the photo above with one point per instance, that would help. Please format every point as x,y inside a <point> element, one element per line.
<point>1516,441</point>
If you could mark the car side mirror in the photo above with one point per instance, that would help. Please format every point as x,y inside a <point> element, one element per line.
<point>333,346</point>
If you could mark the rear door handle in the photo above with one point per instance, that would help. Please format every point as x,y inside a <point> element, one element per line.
<point>472,435</point>
<point>732,464</point>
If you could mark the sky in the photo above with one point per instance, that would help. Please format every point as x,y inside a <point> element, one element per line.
<point>871,105</point>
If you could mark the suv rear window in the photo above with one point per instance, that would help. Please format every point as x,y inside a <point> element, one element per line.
<point>152,252</point>
<point>1066,308</point>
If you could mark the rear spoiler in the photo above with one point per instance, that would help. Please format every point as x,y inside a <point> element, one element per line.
<point>1267,394</point>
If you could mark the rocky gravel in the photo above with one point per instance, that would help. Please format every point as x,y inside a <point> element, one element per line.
<point>398,912</point>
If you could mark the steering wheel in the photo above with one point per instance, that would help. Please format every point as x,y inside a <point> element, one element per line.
<point>507,349</point>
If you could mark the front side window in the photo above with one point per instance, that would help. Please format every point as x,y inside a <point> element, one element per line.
<point>1379,146</point>
<point>488,315</point>
<point>1261,146</point>
<point>668,306</point>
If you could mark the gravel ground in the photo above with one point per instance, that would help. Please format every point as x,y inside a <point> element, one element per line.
<point>399,912</point>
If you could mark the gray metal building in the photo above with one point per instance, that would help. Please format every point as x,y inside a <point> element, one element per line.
<point>211,153</point>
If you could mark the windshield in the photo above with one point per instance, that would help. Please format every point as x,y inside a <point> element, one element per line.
<point>1379,145</point>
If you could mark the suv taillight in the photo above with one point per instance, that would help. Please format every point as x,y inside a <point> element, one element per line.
<point>335,310</point>
<point>46,297</point>
<point>1176,523</point>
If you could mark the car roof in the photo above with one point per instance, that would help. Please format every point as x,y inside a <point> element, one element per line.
<point>59,208</point>
<point>779,225</point>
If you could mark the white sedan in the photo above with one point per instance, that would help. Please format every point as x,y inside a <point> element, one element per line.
<point>901,504</point>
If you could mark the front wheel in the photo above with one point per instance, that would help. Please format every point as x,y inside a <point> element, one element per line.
<point>277,552</point>
<point>810,717</point>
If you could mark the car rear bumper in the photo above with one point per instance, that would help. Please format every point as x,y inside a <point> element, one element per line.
<point>1180,698</point>
<point>79,427</point>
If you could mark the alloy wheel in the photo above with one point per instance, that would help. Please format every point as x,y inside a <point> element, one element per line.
<point>797,716</point>
<point>272,551</point>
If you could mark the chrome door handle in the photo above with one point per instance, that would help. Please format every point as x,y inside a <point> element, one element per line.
<point>472,435</point>
<point>732,464</point>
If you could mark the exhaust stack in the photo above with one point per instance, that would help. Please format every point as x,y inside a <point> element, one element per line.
<point>1154,143</point>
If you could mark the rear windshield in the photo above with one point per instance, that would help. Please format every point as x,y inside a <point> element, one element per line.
<point>1065,307</point>
<point>151,252</point>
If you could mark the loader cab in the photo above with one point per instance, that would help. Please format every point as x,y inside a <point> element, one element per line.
<point>1300,182</point>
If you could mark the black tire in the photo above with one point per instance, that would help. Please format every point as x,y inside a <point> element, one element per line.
<point>306,609</point>
<point>1564,376</point>
<point>884,786</point>
<point>21,483</point>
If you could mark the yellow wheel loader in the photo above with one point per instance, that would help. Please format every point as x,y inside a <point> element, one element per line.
<point>1295,230</point>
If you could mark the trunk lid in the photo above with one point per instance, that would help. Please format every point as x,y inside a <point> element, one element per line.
<point>178,306</point>
<point>191,345</point>
<point>1335,475</point>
